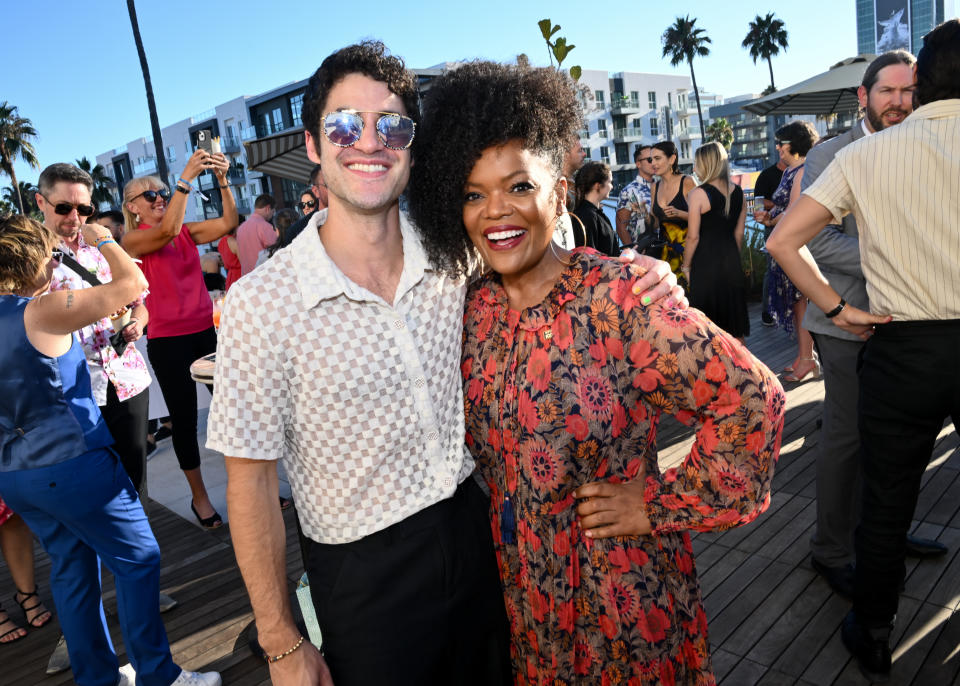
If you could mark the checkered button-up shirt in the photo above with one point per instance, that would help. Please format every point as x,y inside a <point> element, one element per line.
<point>360,398</point>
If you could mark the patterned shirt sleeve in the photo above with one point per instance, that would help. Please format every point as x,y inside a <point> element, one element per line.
<point>624,201</point>
<point>832,190</point>
<point>250,401</point>
<point>688,367</point>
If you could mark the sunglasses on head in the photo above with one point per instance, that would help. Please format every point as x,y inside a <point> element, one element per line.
<point>151,196</point>
<point>65,208</point>
<point>56,256</point>
<point>782,142</point>
<point>310,203</point>
<point>344,127</point>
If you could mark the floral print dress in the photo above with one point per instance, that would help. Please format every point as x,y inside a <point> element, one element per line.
<point>570,392</point>
<point>783,294</point>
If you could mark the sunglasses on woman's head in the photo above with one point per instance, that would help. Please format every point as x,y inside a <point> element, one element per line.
<point>310,203</point>
<point>65,208</point>
<point>344,127</point>
<point>151,196</point>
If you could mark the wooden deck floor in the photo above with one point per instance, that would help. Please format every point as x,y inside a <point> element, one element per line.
<point>772,619</point>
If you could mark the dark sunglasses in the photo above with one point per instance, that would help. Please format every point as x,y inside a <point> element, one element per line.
<point>151,196</point>
<point>648,160</point>
<point>65,208</point>
<point>781,142</point>
<point>344,127</point>
<point>304,205</point>
<point>56,256</point>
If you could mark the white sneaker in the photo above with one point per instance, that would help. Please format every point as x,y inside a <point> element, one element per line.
<point>198,679</point>
<point>128,676</point>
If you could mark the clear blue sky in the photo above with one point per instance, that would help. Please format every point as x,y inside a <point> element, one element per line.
<point>72,67</point>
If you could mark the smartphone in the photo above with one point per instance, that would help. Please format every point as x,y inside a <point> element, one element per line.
<point>205,140</point>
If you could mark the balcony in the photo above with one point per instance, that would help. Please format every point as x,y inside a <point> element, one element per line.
<point>584,135</point>
<point>605,159</point>
<point>632,133</point>
<point>689,133</point>
<point>248,133</point>
<point>236,176</point>
<point>229,144</point>
<point>243,206</point>
<point>264,130</point>
<point>207,182</point>
<point>621,104</point>
<point>147,166</point>
<point>602,133</point>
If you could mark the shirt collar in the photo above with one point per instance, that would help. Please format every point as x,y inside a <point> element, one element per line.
<point>866,131</point>
<point>938,109</point>
<point>320,278</point>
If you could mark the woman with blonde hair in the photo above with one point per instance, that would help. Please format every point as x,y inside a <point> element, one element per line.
<point>57,468</point>
<point>181,313</point>
<point>711,258</point>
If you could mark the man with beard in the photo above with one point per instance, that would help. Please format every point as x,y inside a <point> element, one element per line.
<point>902,184</point>
<point>886,95</point>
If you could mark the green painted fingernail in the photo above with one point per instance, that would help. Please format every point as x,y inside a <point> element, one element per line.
<point>645,300</point>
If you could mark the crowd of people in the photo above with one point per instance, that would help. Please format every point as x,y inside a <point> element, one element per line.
<point>468,421</point>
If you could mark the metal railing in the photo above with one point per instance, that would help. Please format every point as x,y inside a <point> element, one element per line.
<point>148,166</point>
<point>629,132</point>
<point>624,102</point>
<point>236,176</point>
<point>229,144</point>
<point>203,116</point>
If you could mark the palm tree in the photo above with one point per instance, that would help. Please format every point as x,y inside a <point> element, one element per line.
<point>682,42</point>
<point>103,184</point>
<point>151,105</point>
<point>765,38</point>
<point>16,142</point>
<point>23,191</point>
<point>721,132</point>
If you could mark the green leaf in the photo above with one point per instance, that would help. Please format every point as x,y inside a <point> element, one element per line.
<point>575,72</point>
<point>545,28</point>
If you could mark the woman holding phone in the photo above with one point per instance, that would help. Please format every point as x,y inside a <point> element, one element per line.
<point>181,314</point>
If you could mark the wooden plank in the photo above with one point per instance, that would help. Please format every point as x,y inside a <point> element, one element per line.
<point>723,663</point>
<point>740,612</point>
<point>946,592</point>
<point>942,662</point>
<point>746,673</point>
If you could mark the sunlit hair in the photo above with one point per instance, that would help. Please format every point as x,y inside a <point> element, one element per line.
<point>25,246</point>
<point>61,171</point>
<point>467,110</point>
<point>589,176</point>
<point>709,164</point>
<point>134,188</point>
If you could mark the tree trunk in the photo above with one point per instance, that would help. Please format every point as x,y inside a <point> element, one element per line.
<point>696,94</point>
<point>16,190</point>
<point>770,64</point>
<point>151,105</point>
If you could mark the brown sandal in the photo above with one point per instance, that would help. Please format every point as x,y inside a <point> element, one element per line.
<point>9,622</point>
<point>37,608</point>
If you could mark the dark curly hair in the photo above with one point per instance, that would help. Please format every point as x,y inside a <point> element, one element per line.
<point>800,134</point>
<point>466,111</point>
<point>369,58</point>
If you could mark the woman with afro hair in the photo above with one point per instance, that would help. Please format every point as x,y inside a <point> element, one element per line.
<point>565,374</point>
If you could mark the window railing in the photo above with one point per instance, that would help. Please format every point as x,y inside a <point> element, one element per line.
<point>629,132</point>
<point>624,101</point>
<point>602,133</point>
<point>148,166</point>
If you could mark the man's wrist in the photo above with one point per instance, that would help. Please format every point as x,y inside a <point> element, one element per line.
<point>277,640</point>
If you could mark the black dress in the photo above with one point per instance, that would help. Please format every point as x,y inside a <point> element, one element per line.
<point>599,232</point>
<point>717,285</point>
<point>672,229</point>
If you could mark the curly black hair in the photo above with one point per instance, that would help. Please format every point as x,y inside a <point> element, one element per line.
<point>369,58</point>
<point>466,111</point>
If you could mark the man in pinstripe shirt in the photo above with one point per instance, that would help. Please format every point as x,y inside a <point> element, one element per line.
<point>903,186</point>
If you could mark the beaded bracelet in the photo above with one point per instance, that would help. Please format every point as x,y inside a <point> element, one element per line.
<point>277,658</point>
<point>105,241</point>
<point>184,181</point>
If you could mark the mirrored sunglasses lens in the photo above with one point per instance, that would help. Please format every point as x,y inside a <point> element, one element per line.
<point>395,131</point>
<point>342,128</point>
<point>165,194</point>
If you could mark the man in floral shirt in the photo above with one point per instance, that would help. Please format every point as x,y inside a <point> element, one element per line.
<point>634,202</point>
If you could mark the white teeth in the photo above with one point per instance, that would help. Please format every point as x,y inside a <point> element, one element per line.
<point>367,167</point>
<point>503,235</point>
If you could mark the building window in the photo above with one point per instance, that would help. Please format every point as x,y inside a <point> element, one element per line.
<point>171,153</point>
<point>600,99</point>
<point>602,127</point>
<point>604,154</point>
<point>652,100</point>
<point>635,98</point>
<point>296,106</point>
<point>654,126</point>
<point>277,119</point>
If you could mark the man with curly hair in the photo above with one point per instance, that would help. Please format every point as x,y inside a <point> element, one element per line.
<point>341,357</point>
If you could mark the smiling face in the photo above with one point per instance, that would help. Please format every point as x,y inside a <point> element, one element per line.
<point>890,99</point>
<point>511,202</point>
<point>367,177</point>
<point>151,213</point>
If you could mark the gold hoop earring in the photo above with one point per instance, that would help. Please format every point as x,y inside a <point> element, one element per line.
<point>553,249</point>
<point>566,213</point>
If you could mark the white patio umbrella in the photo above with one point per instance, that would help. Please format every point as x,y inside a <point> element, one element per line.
<point>835,90</point>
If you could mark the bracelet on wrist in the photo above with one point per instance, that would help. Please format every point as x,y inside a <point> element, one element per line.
<point>181,189</point>
<point>105,241</point>
<point>225,185</point>
<point>185,182</point>
<point>836,310</point>
<point>276,658</point>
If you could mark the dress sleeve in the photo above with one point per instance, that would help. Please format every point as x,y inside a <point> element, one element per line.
<point>685,365</point>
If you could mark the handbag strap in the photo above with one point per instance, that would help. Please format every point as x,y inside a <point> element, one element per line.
<point>77,268</point>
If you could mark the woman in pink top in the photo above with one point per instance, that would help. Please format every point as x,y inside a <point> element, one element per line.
<point>181,314</point>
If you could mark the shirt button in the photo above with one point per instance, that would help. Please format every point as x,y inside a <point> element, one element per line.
<point>398,323</point>
<point>432,436</point>
<point>420,382</point>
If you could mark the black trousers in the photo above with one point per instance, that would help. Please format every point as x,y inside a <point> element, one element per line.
<point>416,604</point>
<point>127,422</point>
<point>909,384</point>
<point>171,357</point>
